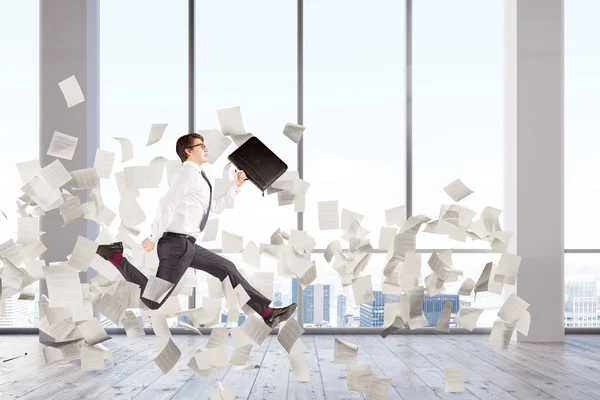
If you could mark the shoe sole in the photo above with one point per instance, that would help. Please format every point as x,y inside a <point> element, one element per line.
<point>285,317</point>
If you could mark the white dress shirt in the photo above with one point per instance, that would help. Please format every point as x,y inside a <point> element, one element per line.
<point>181,209</point>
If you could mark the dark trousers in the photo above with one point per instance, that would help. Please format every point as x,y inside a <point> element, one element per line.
<point>175,255</point>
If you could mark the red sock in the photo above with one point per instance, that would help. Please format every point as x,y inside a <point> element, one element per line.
<point>267,312</point>
<point>116,259</point>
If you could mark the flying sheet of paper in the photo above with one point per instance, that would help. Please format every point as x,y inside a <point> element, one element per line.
<point>62,146</point>
<point>64,288</point>
<point>403,242</point>
<point>395,216</point>
<point>93,332</point>
<point>507,269</point>
<point>348,217</point>
<point>359,378</point>
<point>379,389</point>
<point>28,230</point>
<point>132,325</point>
<point>251,254</point>
<point>168,357</point>
<point>71,91</point>
<point>141,177</point>
<point>239,337</point>
<point>255,329</point>
<point>467,287</point>
<point>56,174</point>
<point>159,323</point>
<point>92,359</point>
<point>131,212</point>
<point>513,308</point>
<point>240,355</point>
<point>443,324</point>
<point>29,169</point>
<point>344,352</point>
<point>501,333</point>
<point>222,393</point>
<point>230,120</point>
<point>104,267</point>
<point>416,297</point>
<point>218,336</point>
<point>299,367</point>
<point>329,215</point>
<point>83,253</point>
<point>289,334</point>
<point>293,131</point>
<point>210,230</point>
<point>363,290</point>
<point>156,289</point>
<point>386,237</point>
<point>484,278</point>
<point>110,307</point>
<point>309,276</point>
<point>42,193</point>
<point>156,133</point>
<point>467,317</point>
<point>216,143</point>
<point>126,148</point>
<point>103,163</point>
<point>524,322</point>
<point>397,323</point>
<point>232,243</point>
<point>86,178</point>
<point>433,284</point>
<point>457,190</point>
<point>455,379</point>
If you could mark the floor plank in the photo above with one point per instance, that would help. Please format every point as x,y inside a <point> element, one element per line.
<point>414,362</point>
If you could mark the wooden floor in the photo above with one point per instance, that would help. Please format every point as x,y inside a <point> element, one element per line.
<point>414,362</point>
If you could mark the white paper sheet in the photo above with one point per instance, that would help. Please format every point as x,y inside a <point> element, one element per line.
<point>256,329</point>
<point>363,290</point>
<point>210,230</point>
<point>168,357</point>
<point>156,289</point>
<point>232,243</point>
<point>457,190</point>
<point>131,324</point>
<point>344,352</point>
<point>55,174</point>
<point>62,146</point>
<point>83,253</point>
<point>395,216</point>
<point>93,332</point>
<point>501,333</point>
<point>288,335</point>
<point>455,379</point>
<point>513,308</point>
<point>83,179</point>
<point>126,148</point>
<point>216,143</point>
<point>156,133</point>
<point>230,120</point>
<point>467,317</point>
<point>92,359</point>
<point>293,131</point>
<point>71,91</point>
<point>64,287</point>
<point>443,324</point>
<point>359,378</point>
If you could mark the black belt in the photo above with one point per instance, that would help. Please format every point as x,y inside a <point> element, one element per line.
<point>181,236</point>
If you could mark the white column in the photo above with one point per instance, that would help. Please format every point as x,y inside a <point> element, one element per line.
<point>69,45</point>
<point>534,158</point>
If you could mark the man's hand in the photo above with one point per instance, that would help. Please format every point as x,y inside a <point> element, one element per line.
<point>239,178</point>
<point>148,245</point>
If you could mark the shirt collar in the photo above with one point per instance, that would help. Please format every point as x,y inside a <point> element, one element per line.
<point>192,164</point>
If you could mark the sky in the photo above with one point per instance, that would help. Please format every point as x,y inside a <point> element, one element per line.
<point>353,104</point>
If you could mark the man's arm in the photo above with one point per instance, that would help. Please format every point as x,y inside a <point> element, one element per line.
<point>169,203</point>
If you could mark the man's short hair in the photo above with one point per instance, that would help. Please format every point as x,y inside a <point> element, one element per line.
<point>185,142</point>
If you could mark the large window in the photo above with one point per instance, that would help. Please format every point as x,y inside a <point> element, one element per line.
<point>582,187</point>
<point>458,95</point>
<point>19,126</point>
<point>144,81</point>
<point>354,111</point>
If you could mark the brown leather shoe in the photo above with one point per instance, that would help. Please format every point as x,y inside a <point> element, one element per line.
<point>279,315</point>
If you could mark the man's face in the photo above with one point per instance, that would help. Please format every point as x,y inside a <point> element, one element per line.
<point>198,153</point>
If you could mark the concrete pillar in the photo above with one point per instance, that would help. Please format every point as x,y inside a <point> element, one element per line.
<point>534,158</point>
<point>69,45</point>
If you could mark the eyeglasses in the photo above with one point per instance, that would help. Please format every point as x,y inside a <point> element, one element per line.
<point>202,146</point>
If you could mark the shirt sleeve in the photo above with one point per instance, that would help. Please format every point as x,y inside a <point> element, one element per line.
<point>226,199</point>
<point>169,203</point>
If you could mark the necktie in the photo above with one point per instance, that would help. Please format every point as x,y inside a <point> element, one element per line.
<point>205,216</point>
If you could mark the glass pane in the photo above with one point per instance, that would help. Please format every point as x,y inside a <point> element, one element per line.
<point>354,110</point>
<point>337,302</point>
<point>19,127</point>
<point>582,121</point>
<point>582,277</point>
<point>143,69</point>
<point>458,95</point>
<point>254,67</point>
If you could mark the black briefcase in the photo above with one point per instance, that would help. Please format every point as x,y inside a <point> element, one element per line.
<point>261,165</point>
